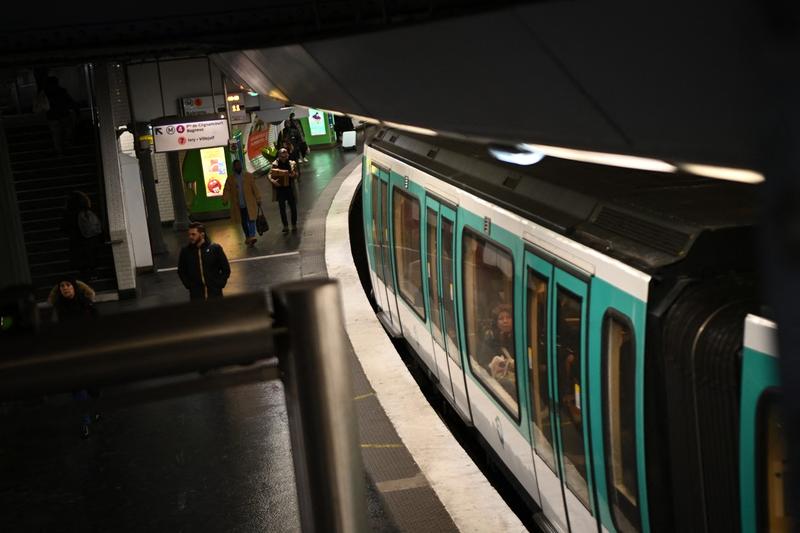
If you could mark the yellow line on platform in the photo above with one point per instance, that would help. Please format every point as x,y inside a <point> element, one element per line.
<point>362,396</point>
<point>381,445</point>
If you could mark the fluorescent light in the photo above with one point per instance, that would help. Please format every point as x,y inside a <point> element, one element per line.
<point>603,158</point>
<point>368,120</point>
<point>411,129</point>
<point>517,155</point>
<point>252,93</point>
<point>277,95</point>
<point>741,175</point>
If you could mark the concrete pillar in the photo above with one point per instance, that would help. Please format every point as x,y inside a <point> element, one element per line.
<point>178,197</point>
<point>122,246</point>
<point>14,270</point>
<point>144,154</point>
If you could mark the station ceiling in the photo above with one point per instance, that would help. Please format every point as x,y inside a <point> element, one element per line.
<point>695,81</point>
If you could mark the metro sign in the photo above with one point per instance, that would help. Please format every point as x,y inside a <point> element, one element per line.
<point>189,133</point>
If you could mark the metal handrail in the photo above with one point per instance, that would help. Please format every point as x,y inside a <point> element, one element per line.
<point>306,334</point>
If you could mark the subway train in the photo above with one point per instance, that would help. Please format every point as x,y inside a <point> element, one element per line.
<point>600,328</point>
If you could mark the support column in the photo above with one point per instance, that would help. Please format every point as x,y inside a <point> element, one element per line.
<point>145,156</point>
<point>121,244</point>
<point>178,197</point>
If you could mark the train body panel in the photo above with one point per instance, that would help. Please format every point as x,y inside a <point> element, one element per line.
<point>761,450</point>
<point>570,487</point>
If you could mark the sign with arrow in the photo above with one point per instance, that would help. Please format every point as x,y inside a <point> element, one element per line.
<point>170,135</point>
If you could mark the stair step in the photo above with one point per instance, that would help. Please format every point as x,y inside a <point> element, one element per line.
<point>49,155</point>
<point>38,214</point>
<point>50,192</point>
<point>73,169</point>
<point>50,201</point>
<point>52,223</point>
<point>55,181</point>
<point>51,162</point>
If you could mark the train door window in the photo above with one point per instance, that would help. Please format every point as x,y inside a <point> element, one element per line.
<point>377,231</point>
<point>538,362</point>
<point>489,318</point>
<point>619,401</point>
<point>448,288</point>
<point>773,467</point>
<point>388,279</point>
<point>570,416</point>
<point>433,276</point>
<point>407,250</point>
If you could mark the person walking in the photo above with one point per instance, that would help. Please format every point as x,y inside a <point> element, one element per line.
<point>282,175</point>
<point>61,114</point>
<point>242,193</point>
<point>297,137</point>
<point>202,265</point>
<point>85,231</point>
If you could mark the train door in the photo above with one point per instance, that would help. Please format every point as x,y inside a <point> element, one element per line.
<point>374,235</point>
<point>763,455</point>
<point>567,366</point>
<point>407,245</point>
<point>539,276</point>
<point>392,316</point>
<point>447,256</point>
<point>436,318</point>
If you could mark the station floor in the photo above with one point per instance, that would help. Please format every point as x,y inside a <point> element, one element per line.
<point>217,461</point>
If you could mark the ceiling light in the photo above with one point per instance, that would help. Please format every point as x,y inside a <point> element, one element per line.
<point>252,93</point>
<point>411,129</point>
<point>277,95</point>
<point>368,120</point>
<point>517,155</point>
<point>740,175</point>
<point>603,158</point>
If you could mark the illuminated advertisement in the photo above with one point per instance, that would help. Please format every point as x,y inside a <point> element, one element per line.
<point>215,171</point>
<point>257,142</point>
<point>316,121</point>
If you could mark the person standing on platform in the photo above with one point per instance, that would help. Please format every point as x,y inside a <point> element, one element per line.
<point>242,193</point>
<point>297,137</point>
<point>203,266</point>
<point>282,175</point>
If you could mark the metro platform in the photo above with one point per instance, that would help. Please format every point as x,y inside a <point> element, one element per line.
<point>221,461</point>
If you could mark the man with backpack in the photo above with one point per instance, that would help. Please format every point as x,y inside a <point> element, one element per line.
<point>85,232</point>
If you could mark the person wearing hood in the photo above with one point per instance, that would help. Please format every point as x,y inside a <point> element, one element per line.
<point>72,300</point>
<point>202,266</point>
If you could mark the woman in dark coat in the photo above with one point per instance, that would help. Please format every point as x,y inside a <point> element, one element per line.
<point>73,300</point>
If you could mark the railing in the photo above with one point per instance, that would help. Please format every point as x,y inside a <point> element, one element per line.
<point>304,345</point>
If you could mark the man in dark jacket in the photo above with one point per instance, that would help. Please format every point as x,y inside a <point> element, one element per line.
<point>202,266</point>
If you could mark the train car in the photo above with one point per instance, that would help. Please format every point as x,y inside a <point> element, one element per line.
<point>588,320</point>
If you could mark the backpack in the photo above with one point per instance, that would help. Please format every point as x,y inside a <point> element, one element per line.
<point>89,224</point>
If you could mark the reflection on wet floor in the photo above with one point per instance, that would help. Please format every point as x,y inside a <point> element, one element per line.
<point>217,461</point>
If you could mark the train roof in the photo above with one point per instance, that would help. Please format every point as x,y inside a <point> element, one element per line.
<point>647,219</point>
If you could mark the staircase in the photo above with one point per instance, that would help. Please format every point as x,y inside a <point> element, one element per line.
<point>43,181</point>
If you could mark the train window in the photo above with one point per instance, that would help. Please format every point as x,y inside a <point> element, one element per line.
<point>773,466</point>
<point>377,233</point>
<point>619,401</point>
<point>387,263</point>
<point>537,355</point>
<point>407,250</point>
<point>433,277</point>
<point>448,289</point>
<point>568,351</point>
<point>489,318</point>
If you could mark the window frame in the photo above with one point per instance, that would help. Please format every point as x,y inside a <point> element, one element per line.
<point>467,230</point>
<point>399,290</point>
<point>453,352</point>
<point>610,315</point>
<point>433,274</point>
<point>375,189</point>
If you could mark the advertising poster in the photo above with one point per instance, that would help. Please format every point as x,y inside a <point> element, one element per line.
<point>257,141</point>
<point>316,121</point>
<point>215,171</point>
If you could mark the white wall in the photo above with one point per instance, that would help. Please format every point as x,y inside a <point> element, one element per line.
<point>179,79</point>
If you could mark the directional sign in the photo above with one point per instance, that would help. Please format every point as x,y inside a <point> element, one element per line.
<point>190,134</point>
